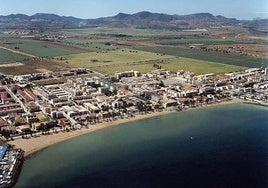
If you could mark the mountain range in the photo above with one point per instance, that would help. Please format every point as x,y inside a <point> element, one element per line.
<point>143,19</point>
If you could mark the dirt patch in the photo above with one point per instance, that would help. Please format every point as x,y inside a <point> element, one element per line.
<point>258,38</point>
<point>35,66</point>
<point>12,65</point>
<point>43,70</point>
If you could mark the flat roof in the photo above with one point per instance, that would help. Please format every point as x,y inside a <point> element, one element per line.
<point>3,150</point>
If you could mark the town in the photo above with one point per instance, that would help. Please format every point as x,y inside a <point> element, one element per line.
<point>39,104</point>
<point>28,109</point>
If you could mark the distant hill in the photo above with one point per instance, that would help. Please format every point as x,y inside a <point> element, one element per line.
<point>143,19</point>
<point>160,21</point>
<point>38,21</point>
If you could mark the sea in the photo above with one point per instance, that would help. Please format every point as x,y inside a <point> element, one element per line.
<point>215,147</point>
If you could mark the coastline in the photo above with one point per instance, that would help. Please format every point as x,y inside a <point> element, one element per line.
<point>35,144</point>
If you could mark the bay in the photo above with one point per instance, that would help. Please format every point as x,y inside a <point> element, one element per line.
<point>222,146</point>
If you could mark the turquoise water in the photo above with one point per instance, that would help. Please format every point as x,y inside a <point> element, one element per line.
<point>224,146</point>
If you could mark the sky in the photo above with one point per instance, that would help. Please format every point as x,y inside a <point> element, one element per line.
<point>240,9</point>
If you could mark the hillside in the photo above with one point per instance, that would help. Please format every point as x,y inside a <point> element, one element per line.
<point>42,21</point>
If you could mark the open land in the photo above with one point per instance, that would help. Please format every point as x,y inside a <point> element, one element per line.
<point>17,52</point>
<point>110,62</point>
<point>211,56</point>
<point>109,50</point>
<point>11,65</point>
<point>37,48</point>
<point>8,56</point>
<point>32,66</point>
<point>127,59</point>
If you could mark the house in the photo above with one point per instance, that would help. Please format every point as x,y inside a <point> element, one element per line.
<point>156,98</point>
<point>22,78</point>
<point>64,122</point>
<point>131,73</point>
<point>92,108</point>
<point>170,104</point>
<point>132,110</point>
<point>118,104</point>
<point>3,123</point>
<point>207,90</point>
<point>24,128</point>
<point>19,120</point>
<point>56,114</point>
<point>33,107</point>
<point>104,90</point>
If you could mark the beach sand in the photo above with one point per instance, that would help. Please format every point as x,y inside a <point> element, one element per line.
<point>35,144</point>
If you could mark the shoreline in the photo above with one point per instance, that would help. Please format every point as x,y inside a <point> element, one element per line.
<point>35,144</point>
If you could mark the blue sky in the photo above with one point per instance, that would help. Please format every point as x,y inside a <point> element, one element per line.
<point>241,9</point>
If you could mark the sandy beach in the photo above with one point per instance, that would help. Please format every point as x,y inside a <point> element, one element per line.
<point>35,144</point>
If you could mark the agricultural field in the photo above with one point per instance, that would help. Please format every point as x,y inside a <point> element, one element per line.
<point>103,35</point>
<point>108,50</point>
<point>204,41</point>
<point>90,43</point>
<point>198,66</point>
<point>171,42</point>
<point>38,48</point>
<point>126,59</point>
<point>10,57</point>
<point>251,50</point>
<point>33,67</point>
<point>121,31</point>
<point>211,56</point>
<point>116,57</point>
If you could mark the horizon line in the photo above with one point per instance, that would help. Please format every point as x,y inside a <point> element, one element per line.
<point>64,15</point>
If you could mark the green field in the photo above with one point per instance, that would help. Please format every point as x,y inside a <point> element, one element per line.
<point>211,56</point>
<point>91,44</point>
<point>37,48</point>
<point>176,44</point>
<point>196,66</point>
<point>126,59</point>
<point>124,31</point>
<point>109,50</point>
<point>204,41</point>
<point>199,66</point>
<point>115,57</point>
<point>9,57</point>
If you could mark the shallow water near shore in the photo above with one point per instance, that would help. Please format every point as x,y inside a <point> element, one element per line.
<point>221,146</point>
